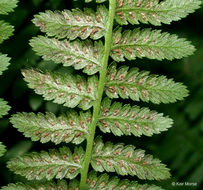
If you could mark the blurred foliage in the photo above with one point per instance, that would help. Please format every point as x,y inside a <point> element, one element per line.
<point>180,147</point>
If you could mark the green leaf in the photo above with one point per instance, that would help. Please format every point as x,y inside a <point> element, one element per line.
<point>140,85</point>
<point>104,182</point>
<point>67,128</point>
<point>7,6</point>
<point>4,108</point>
<point>126,120</point>
<point>94,182</point>
<point>79,54</point>
<point>61,184</point>
<point>149,43</point>
<point>53,164</point>
<point>125,160</point>
<point>6,30</point>
<point>2,149</point>
<point>73,24</point>
<point>4,62</point>
<point>154,12</point>
<point>68,90</point>
<point>97,1</point>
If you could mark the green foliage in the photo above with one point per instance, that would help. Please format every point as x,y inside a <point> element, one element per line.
<point>125,160</point>
<point>94,182</point>
<point>97,1</point>
<point>71,91</point>
<point>61,184</point>
<point>80,54</point>
<point>7,6</point>
<point>68,127</point>
<point>6,30</point>
<point>87,92</point>
<point>4,62</point>
<point>53,164</point>
<point>126,120</point>
<point>153,11</point>
<point>2,149</point>
<point>73,24</point>
<point>142,86</point>
<point>103,181</point>
<point>4,108</point>
<point>152,44</point>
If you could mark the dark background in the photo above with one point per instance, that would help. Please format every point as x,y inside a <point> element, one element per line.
<point>181,148</point>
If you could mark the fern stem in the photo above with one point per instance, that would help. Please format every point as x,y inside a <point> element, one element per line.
<point>101,84</point>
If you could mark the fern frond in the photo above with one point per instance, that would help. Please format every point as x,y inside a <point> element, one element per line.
<point>68,90</point>
<point>73,24</point>
<point>140,85</point>
<point>6,30</point>
<point>53,164</point>
<point>154,12</point>
<point>126,120</point>
<point>4,108</point>
<point>125,160</point>
<point>80,54</point>
<point>2,149</point>
<point>67,128</point>
<point>7,6</point>
<point>152,44</point>
<point>4,62</point>
<point>94,182</point>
